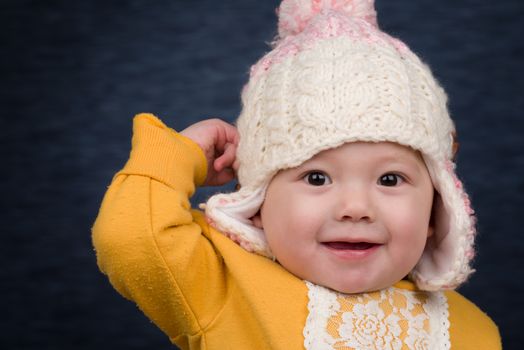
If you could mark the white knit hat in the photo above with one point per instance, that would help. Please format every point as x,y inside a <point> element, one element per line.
<point>334,77</point>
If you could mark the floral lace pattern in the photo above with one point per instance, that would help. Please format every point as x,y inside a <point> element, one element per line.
<point>391,319</point>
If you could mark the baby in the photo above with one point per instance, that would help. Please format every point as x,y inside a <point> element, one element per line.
<point>349,230</point>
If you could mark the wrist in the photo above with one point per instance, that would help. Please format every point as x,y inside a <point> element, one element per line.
<point>162,153</point>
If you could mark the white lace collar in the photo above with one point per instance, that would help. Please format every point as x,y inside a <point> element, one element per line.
<point>391,319</point>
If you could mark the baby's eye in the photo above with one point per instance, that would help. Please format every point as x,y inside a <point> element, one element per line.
<point>390,180</point>
<point>317,178</point>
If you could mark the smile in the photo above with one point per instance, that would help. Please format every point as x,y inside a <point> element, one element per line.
<point>351,250</point>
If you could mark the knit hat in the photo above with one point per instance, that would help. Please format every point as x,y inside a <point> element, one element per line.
<point>334,77</point>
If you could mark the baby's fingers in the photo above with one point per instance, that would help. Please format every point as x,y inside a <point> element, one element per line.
<point>227,159</point>
<point>223,177</point>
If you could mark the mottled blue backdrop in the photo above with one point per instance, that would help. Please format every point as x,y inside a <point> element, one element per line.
<point>73,74</point>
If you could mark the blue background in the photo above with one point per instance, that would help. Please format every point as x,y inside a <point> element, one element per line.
<point>73,74</point>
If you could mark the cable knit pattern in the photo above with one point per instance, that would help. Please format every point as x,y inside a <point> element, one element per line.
<point>333,77</point>
<point>339,91</point>
<point>391,319</point>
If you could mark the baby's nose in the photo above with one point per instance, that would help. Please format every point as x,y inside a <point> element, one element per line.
<point>354,205</point>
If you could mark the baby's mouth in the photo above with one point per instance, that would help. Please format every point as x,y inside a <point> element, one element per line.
<point>350,245</point>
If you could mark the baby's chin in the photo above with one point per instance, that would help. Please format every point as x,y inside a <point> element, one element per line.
<point>343,280</point>
<point>353,287</point>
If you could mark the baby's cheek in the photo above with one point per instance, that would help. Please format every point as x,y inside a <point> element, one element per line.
<point>410,225</point>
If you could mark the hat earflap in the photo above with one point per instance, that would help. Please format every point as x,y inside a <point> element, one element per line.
<point>445,262</point>
<point>231,214</point>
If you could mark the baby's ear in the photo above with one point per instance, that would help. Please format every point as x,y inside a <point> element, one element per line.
<point>257,221</point>
<point>431,226</point>
<point>431,230</point>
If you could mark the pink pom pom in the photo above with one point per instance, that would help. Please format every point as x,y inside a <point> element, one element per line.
<point>294,15</point>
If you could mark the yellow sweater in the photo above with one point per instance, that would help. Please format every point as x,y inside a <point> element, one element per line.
<point>199,287</point>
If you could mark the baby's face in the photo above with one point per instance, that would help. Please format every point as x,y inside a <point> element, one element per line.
<point>354,218</point>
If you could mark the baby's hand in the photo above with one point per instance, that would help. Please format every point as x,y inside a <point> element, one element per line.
<point>219,141</point>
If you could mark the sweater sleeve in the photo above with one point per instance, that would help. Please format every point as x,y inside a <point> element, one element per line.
<point>146,237</point>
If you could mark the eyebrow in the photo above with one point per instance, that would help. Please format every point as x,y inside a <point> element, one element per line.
<point>399,157</point>
<point>414,160</point>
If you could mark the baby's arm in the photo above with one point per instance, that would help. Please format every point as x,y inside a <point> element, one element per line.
<point>146,237</point>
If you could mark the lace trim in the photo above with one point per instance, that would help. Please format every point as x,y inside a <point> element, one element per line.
<point>391,319</point>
